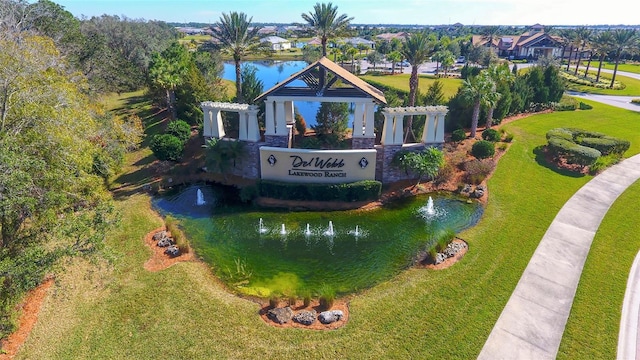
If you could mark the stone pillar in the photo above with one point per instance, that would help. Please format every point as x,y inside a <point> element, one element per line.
<point>369,116</point>
<point>269,118</point>
<point>253,130</point>
<point>439,137</point>
<point>281,119</point>
<point>358,120</point>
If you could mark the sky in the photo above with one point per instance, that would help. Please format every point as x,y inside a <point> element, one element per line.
<point>418,12</point>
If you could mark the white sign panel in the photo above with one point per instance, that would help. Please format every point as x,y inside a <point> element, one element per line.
<point>317,166</point>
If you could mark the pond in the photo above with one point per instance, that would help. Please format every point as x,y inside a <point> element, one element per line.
<point>261,252</point>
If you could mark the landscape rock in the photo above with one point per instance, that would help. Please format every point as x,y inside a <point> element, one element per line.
<point>440,257</point>
<point>159,235</point>
<point>164,242</point>
<point>331,316</point>
<point>305,317</point>
<point>281,315</point>
<point>172,251</point>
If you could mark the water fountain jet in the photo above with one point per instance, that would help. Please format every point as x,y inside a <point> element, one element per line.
<point>283,231</point>
<point>329,231</point>
<point>430,209</point>
<point>261,227</point>
<point>200,198</point>
<point>308,231</point>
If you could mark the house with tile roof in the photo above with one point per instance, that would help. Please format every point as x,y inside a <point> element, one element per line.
<point>532,44</point>
<point>277,43</point>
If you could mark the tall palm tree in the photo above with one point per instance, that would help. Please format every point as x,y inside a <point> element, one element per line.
<point>476,90</point>
<point>237,38</point>
<point>499,74</point>
<point>568,36</point>
<point>394,57</point>
<point>602,45</point>
<point>326,22</point>
<point>583,36</point>
<point>623,39</point>
<point>416,49</point>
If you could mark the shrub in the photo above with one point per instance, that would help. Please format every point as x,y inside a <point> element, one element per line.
<point>458,135</point>
<point>306,297</point>
<point>508,137</point>
<point>327,297</point>
<point>603,162</point>
<point>574,153</point>
<point>477,170</point>
<point>179,129</point>
<point>483,149</point>
<point>583,147</point>
<point>356,191</point>
<point>311,142</point>
<point>166,147</point>
<point>273,301</point>
<point>584,106</point>
<point>248,193</point>
<point>491,135</point>
<point>177,235</point>
<point>445,173</point>
<point>300,124</point>
<point>635,101</point>
<point>605,145</point>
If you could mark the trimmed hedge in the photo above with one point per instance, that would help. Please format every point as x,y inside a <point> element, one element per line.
<point>166,147</point>
<point>458,135</point>
<point>179,129</point>
<point>356,191</point>
<point>491,135</point>
<point>574,140</point>
<point>483,149</point>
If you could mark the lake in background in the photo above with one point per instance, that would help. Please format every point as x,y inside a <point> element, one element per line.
<point>272,73</point>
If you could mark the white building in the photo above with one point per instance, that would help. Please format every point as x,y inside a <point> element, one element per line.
<point>277,43</point>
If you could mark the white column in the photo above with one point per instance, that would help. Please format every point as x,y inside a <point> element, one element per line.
<point>428,134</point>
<point>253,130</point>
<point>281,120</point>
<point>288,112</point>
<point>387,129</point>
<point>242,126</point>
<point>358,120</point>
<point>269,118</point>
<point>207,121</point>
<point>440,128</point>
<point>398,121</point>
<point>369,116</point>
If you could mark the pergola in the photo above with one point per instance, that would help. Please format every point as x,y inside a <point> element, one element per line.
<point>433,132</point>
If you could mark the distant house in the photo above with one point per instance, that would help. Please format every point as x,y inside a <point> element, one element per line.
<point>355,41</point>
<point>277,43</point>
<point>532,44</point>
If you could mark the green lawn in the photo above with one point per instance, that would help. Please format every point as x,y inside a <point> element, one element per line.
<point>401,81</point>
<point>632,85</point>
<point>119,310</point>
<point>633,68</point>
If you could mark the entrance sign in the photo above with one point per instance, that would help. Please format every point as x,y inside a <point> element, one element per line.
<point>317,166</point>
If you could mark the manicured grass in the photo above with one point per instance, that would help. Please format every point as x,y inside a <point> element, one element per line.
<point>120,310</point>
<point>633,68</point>
<point>401,81</point>
<point>632,86</point>
<point>592,329</point>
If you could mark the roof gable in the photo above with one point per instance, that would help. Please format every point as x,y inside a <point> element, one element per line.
<point>352,86</point>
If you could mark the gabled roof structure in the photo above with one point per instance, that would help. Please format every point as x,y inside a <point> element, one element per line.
<point>349,86</point>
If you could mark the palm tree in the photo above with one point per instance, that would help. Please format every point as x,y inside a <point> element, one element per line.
<point>352,52</point>
<point>394,57</point>
<point>417,49</point>
<point>583,35</point>
<point>326,22</point>
<point>568,36</point>
<point>623,39</point>
<point>237,38</point>
<point>499,74</point>
<point>476,90</point>
<point>374,58</point>
<point>602,44</point>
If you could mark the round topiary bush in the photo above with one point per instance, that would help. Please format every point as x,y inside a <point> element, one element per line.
<point>483,149</point>
<point>179,129</point>
<point>491,135</point>
<point>166,147</point>
<point>458,135</point>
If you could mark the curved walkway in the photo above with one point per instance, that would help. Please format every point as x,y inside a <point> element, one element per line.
<point>533,321</point>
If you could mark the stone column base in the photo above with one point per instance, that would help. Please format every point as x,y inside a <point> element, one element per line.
<point>363,143</point>
<point>276,141</point>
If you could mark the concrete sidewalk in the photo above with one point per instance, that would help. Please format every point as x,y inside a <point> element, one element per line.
<point>533,321</point>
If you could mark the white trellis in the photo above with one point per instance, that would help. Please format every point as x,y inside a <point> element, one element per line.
<point>433,133</point>
<point>248,118</point>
